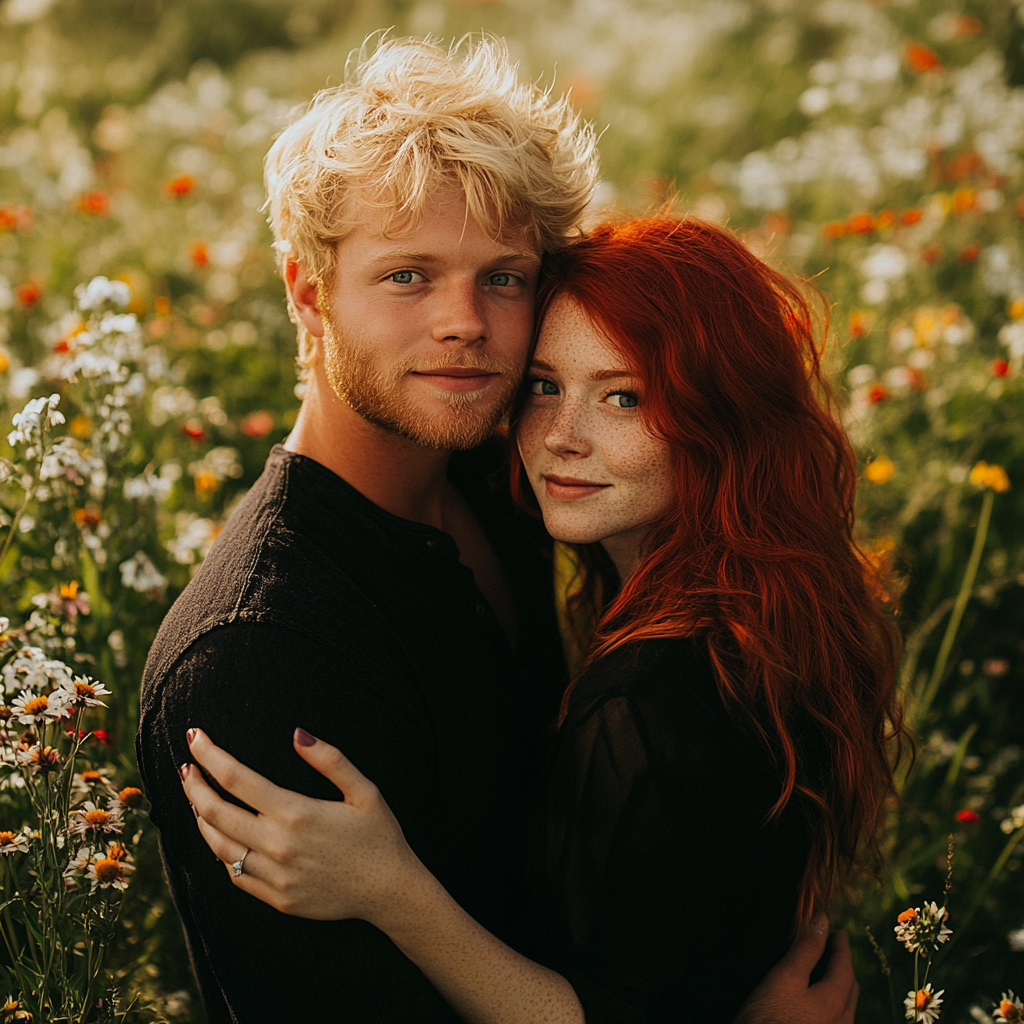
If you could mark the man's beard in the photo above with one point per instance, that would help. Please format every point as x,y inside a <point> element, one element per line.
<point>377,392</point>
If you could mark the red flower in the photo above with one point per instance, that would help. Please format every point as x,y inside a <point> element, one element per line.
<point>30,293</point>
<point>877,394</point>
<point>200,254</point>
<point>102,736</point>
<point>1001,368</point>
<point>193,430</point>
<point>96,203</point>
<point>15,217</point>
<point>969,253</point>
<point>969,817</point>
<point>257,424</point>
<point>180,186</point>
<point>838,228</point>
<point>911,217</point>
<point>921,58</point>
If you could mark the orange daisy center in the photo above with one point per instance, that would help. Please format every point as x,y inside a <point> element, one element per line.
<point>84,689</point>
<point>35,705</point>
<point>130,796</point>
<point>91,776</point>
<point>116,852</point>
<point>907,915</point>
<point>1005,1007</point>
<point>108,870</point>
<point>97,816</point>
<point>7,838</point>
<point>923,999</point>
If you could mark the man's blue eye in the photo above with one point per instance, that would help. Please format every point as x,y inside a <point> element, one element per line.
<point>623,399</point>
<point>503,280</point>
<point>542,387</point>
<point>402,277</point>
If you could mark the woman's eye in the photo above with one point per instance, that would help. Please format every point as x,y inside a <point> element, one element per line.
<point>503,280</point>
<point>539,386</point>
<point>403,277</point>
<point>623,399</point>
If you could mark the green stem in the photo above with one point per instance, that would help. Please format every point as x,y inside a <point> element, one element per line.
<point>979,896</point>
<point>14,523</point>
<point>959,607</point>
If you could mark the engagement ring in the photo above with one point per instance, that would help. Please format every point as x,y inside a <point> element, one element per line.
<point>238,867</point>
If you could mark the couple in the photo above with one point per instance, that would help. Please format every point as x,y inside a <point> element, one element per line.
<point>720,757</point>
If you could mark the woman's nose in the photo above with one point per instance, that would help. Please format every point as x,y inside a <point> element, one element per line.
<point>567,435</point>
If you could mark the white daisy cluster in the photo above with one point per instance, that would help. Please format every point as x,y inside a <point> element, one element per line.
<point>38,416</point>
<point>923,1005</point>
<point>103,868</point>
<point>99,291</point>
<point>922,929</point>
<point>16,842</point>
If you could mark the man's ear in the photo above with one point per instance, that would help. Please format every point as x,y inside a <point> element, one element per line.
<point>304,298</point>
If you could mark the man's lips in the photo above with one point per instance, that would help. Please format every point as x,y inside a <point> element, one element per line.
<point>456,378</point>
<point>567,488</point>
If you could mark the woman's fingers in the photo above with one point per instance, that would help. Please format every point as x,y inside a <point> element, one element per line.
<point>225,848</point>
<point>334,765</point>
<point>232,775</point>
<point>232,821</point>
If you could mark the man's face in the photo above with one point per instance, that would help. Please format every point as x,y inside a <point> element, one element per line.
<point>426,335</point>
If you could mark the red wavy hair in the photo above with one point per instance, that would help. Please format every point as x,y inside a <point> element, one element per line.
<point>757,556</point>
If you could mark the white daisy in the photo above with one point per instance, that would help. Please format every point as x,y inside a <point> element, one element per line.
<point>90,818</point>
<point>37,708</point>
<point>1010,1009</point>
<point>83,692</point>
<point>15,842</point>
<point>79,864</point>
<point>923,1005</point>
<point>40,759</point>
<point>109,872</point>
<point>922,929</point>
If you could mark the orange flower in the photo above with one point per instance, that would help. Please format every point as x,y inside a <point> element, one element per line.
<point>30,293</point>
<point>12,217</point>
<point>179,187</point>
<point>877,394</point>
<point>206,483</point>
<point>911,217</point>
<point>200,254</point>
<point>130,796</point>
<point>964,200</point>
<point>921,58</point>
<point>860,322</point>
<point>1001,368</point>
<point>162,305</point>
<point>96,203</point>
<point>80,427</point>
<point>88,516</point>
<point>907,915</point>
<point>861,224</point>
<point>885,218</point>
<point>837,228</point>
<point>5,363</point>
<point>969,253</point>
<point>193,430</point>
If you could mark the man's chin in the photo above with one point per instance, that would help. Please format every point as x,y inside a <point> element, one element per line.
<point>441,429</point>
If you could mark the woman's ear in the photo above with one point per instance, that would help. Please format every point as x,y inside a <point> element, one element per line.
<point>304,297</point>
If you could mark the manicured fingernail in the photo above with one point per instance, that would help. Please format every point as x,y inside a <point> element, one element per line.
<point>190,735</point>
<point>184,770</point>
<point>303,738</point>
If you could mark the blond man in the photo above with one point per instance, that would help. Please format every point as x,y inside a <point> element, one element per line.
<point>377,585</point>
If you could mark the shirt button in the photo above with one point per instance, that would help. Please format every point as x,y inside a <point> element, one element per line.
<point>432,544</point>
<point>481,609</point>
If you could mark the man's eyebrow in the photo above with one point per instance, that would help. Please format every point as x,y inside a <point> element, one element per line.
<point>417,256</point>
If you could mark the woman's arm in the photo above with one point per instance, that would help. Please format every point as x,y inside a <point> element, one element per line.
<point>331,860</point>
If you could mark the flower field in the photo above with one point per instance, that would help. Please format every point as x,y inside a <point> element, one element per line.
<point>876,147</point>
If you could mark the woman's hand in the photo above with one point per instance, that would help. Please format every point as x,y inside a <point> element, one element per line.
<point>318,859</point>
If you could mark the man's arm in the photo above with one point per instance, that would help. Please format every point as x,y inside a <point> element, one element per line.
<point>249,685</point>
<point>786,995</point>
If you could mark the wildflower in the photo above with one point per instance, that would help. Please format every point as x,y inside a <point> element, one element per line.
<point>860,224</point>
<point>100,290</point>
<point>103,737</point>
<point>84,692</point>
<point>835,229</point>
<point>1016,309</point>
<point>34,709</point>
<point>90,818</point>
<point>162,305</point>
<point>72,602</point>
<point>1014,821</point>
<point>79,864</point>
<point>108,872</point>
<point>969,253</point>
<point>12,1013</point>
<point>95,203</point>
<point>992,477</point>
<point>15,217</point>
<point>200,254</point>
<point>922,929</point>
<point>921,58</point>
<point>880,471</point>
<point>30,293</point>
<point>911,217</point>
<point>205,483</point>
<point>193,430</point>
<point>877,394</point>
<point>1010,1009</point>
<point>259,424</point>
<point>964,200</point>
<point>130,797</point>
<point>179,187</point>
<point>89,783</point>
<point>15,842</point>
<point>30,421</point>
<point>1001,368</point>
<point>923,1005</point>
<point>41,760</point>
<point>968,816</point>
<point>88,516</point>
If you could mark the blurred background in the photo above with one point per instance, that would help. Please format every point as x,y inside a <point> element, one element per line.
<point>875,147</point>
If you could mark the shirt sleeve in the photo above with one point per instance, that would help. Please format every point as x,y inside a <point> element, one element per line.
<point>249,685</point>
<point>672,896</point>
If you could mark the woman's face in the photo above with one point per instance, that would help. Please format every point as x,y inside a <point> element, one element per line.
<point>597,472</point>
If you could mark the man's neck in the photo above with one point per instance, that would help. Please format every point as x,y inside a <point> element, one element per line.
<point>400,476</point>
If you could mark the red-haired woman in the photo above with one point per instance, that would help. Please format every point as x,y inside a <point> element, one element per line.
<point>722,757</point>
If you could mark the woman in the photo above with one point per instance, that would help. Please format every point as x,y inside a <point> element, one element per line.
<point>722,758</point>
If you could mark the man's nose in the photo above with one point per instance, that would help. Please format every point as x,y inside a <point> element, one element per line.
<point>567,435</point>
<point>460,318</point>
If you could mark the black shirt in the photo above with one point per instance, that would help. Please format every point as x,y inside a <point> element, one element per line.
<point>663,894</point>
<point>317,608</point>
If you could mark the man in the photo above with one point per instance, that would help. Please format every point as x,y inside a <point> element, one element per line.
<point>377,586</point>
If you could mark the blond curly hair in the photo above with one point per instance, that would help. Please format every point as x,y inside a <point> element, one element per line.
<point>411,117</point>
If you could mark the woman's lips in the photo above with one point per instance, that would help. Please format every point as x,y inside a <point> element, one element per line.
<point>456,378</point>
<point>565,488</point>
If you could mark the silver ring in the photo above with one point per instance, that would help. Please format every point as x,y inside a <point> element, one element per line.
<point>239,865</point>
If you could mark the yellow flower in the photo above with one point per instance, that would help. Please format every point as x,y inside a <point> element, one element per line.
<point>880,471</point>
<point>5,363</point>
<point>992,477</point>
<point>1017,309</point>
<point>206,483</point>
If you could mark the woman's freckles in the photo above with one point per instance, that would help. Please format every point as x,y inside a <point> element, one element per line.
<point>597,472</point>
